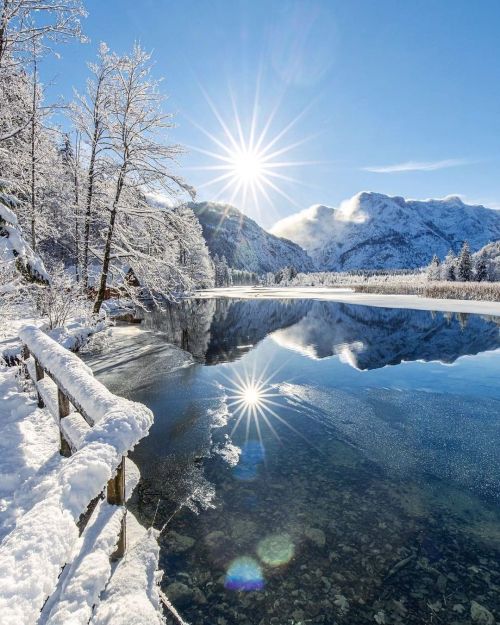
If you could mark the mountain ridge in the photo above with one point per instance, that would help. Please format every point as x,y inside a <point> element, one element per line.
<point>245,244</point>
<point>376,231</point>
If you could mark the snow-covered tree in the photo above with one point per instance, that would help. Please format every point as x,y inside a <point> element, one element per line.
<point>434,269</point>
<point>464,267</point>
<point>91,113</point>
<point>194,257</point>
<point>18,262</point>
<point>71,172</point>
<point>223,275</point>
<point>481,268</point>
<point>449,267</point>
<point>140,161</point>
<point>45,22</point>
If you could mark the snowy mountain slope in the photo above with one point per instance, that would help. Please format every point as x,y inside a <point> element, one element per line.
<point>244,243</point>
<point>375,231</point>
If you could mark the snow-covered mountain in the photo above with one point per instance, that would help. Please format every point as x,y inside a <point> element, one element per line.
<point>375,231</point>
<point>244,243</point>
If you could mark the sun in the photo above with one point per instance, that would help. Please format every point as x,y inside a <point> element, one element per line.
<point>252,400</point>
<point>248,159</point>
<point>248,166</point>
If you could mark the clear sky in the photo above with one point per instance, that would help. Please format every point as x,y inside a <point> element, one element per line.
<point>394,96</point>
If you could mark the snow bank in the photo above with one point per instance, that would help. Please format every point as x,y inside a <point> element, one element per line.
<point>90,570</point>
<point>348,296</point>
<point>132,596</point>
<point>43,541</point>
<point>29,438</point>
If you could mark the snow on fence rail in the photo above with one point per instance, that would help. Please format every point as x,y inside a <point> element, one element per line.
<point>97,430</point>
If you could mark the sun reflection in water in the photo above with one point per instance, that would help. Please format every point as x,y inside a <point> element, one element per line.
<point>251,400</point>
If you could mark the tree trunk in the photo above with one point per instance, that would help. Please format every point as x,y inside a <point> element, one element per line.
<point>109,239</point>
<point>77,212</point>
<point>88,212</point>
<point>33,155</point>
<point>3,31</point>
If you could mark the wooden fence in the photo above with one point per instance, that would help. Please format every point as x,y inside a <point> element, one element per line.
<point>66,405</point>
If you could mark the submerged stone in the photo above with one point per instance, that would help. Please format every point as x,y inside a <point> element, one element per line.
<point>480,614</point>
<point>177,543</point>
<point>179,594</point>
<point>316,536</point>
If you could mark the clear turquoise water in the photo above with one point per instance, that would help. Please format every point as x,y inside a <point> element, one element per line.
<point>362,485</point>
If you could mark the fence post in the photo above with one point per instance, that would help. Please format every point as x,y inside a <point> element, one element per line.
<point>39,375</point>
<point>25,357</point>
<point>64,410</point>
<point>116,497</point>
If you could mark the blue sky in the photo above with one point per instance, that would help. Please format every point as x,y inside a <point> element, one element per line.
<point>378,84</point>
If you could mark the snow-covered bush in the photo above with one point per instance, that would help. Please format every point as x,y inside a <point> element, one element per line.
<point>61,299</point>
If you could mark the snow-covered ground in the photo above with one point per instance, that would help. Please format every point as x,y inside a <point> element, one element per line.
<point>348,296</point>
<point>43,494</point>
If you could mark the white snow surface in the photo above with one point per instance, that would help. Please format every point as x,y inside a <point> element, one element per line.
<point>132,597</point>
<point>348,296</point>
<point>89,571</point>
<point>45,536</point>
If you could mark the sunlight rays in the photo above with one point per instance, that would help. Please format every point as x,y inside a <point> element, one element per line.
<point>247,156</point>
<point>251,399</point>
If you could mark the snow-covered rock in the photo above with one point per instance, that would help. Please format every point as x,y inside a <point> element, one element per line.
<point>375,231</point>
<point>244,243</point>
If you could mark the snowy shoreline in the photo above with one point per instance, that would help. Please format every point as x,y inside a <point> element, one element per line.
<point>349,296</point>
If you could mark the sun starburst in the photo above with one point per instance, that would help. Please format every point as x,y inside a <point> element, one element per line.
<point>251,400</point>
<point>248,160</point>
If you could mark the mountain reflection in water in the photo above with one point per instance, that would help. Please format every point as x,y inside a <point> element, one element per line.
<point>216,331</point>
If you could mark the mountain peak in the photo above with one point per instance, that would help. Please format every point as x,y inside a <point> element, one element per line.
<point>376,231</point>
<point>230,233</point>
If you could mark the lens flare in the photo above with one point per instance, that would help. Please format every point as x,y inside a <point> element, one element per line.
<point>276,550</point>
<point>251,400</point>
<point>252,394</point>
<point>244,573</point>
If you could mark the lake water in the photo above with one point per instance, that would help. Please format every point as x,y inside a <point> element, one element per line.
<point>317,462</point>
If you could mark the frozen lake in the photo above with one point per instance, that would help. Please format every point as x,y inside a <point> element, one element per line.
<point>318,462</point>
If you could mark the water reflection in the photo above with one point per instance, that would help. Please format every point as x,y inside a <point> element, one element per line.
<point>216,331</point>
<point>377,499</point>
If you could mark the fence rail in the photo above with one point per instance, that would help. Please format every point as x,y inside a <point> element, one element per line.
<point>97,430</point>
<point>66,405</point>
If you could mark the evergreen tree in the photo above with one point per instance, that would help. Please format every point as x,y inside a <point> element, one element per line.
<point>464,273</point>
<point>481,273</point>
<point>16,256</point>
<point>448,268</point>
<point>434,269</point>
